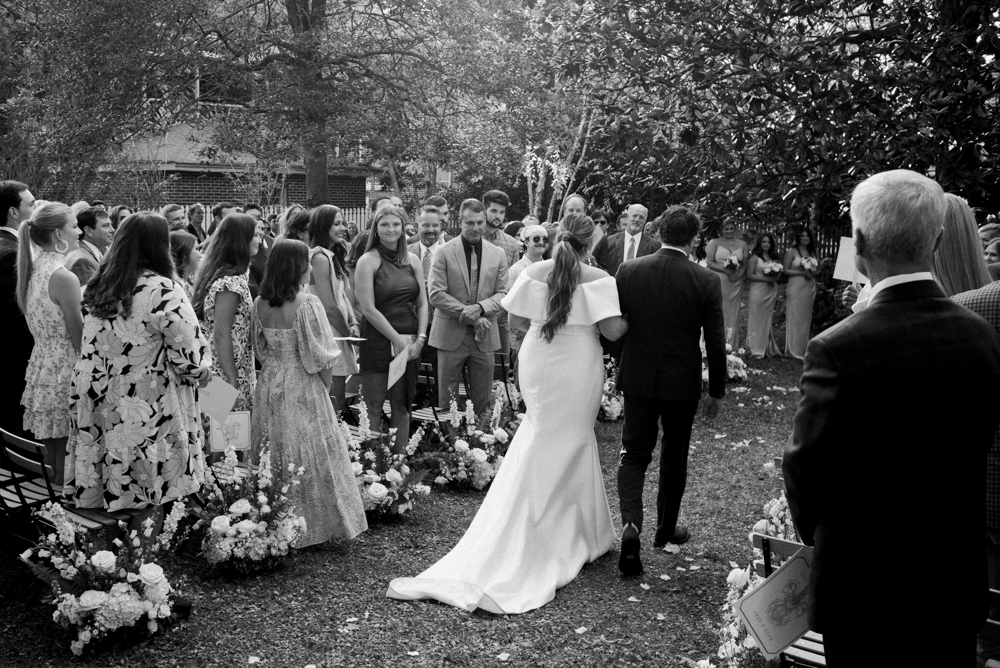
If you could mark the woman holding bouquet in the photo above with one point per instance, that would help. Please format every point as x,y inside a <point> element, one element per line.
<point>763,269</point>
<point>727,256</point>
<point>800,265</point>
<point>292,410</point>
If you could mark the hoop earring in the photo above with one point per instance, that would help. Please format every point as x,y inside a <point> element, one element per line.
<point>62,251</point>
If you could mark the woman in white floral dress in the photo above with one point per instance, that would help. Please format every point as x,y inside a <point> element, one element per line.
<point>49,296</point>
<point>137,438</point>
<point>222,302</point>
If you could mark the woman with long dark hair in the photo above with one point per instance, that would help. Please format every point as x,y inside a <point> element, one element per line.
<point>327,233</point>
<point>292,408</point>
<point>49,296</point>
<point>222,302</point>
<point>137,441</point>
<point>727,256</point>
<point>763,296</point>
<point>546,513</point>
<point>801,291</point>
<point>187,257</point>
<point>390,292</point>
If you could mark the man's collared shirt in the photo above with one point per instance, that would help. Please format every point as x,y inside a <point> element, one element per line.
<point>94,250</point>
<point>506,243</point>
<point>468,255</point>
<point>630,238</point>
<point>898,279</point>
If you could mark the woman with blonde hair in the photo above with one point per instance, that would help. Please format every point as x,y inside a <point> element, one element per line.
<point>959,265</point>
<point>531,536</point>
<point>49,296</point>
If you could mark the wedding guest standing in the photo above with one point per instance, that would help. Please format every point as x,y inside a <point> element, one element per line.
<point>222,302</point>
<point>327,231</point>
<point>97,233</point>
<point>800,293</point>
<point>763,295</point>
<point>186,257</point>
<point>918,360</point>
<point>534,241</point>
<point>611,252</point>
<point>293,340</point>
<point>731,273</point>
<point>959,265</point>
<point>118,214</point>
<point>137,441</point>
<point>196,219</point>
<point>425,246</point>
<point>389,285</point>
<point>49,296</point>
<point>17,203</point>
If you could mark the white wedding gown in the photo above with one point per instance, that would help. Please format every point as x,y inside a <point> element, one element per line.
<point>546,513</point>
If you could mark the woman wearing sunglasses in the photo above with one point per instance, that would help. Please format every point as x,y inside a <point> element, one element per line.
<point>534,242</point>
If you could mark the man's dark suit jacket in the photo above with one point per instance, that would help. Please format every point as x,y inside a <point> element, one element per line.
<point>610,251</point>
<point>900,403</point>
<point>17,339</point>
<point>668,300</point>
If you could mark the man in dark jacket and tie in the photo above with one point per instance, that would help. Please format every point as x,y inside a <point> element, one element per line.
<point>900,403</point>
<point>668,300</point>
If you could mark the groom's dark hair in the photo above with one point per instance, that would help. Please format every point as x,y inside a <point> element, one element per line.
<point>678,225</point>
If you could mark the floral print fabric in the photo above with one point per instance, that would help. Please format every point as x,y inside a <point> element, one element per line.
<point>242,346</point>
<point>137,437</point>
<point>50,368</point>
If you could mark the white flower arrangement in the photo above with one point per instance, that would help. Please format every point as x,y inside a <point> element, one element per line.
<point>772,268</point>
<point>387,482</point>
<point>612,401</point>
<point>810,263</point>
<point>731,262</point>
<point>99,592</point>
<point>736,368</point>
<point>474,449</point>
<point>251,522</point>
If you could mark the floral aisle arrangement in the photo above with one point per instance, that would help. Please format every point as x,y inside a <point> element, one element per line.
<point>250,522</point>
<point>388,484</point>
<point>103,594</point>
<point>736,368</point>
<point>612,401</point>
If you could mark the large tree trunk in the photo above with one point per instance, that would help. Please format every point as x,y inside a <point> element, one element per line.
<point>390,165</point>
<point>317,183</point>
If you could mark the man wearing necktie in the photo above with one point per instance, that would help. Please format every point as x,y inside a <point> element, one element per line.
<point>467,281</point>
<point>424,246</point>
<point>611,252</point>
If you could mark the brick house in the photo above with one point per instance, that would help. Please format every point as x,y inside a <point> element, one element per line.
<point>172,168</point>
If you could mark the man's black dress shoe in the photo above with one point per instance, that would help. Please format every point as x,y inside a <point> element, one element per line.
<point>680,535</point>
<point>628,561</point>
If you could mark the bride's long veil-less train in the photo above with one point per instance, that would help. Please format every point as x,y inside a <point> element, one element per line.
<point>546,514</point>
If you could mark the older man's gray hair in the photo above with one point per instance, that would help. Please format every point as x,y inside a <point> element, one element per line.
<point>899,214</point>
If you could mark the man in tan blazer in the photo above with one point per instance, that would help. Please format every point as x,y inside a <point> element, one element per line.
<point>468,279</point>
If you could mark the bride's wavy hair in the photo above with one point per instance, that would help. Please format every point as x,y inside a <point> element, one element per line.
<point>573,240</point>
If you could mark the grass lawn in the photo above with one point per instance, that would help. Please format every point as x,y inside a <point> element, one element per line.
<point>328,606</point>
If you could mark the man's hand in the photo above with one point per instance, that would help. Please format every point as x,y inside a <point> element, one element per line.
<point>712,407</point>
<point>482,326</point>
<point>470,314</point>
<point>850,297</point>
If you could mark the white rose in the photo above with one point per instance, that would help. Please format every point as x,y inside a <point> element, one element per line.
<point>377,491</point>
<point>357,468</point>
<point>760,527</point>
<point>220,524</point>
<point>738,577</point>
<point>264,510</point>
<point>92,599</point>
<point>241,507</point>
<point>479,455</point>
<point>261,527</point>
<point>500,435</point>
<point>150,574</point>
<point>461,446</point>
<point>404,469</point>
<point>104,561</point>
<point>246,526</point>
<point>392,475</point>
<point>440,480</point>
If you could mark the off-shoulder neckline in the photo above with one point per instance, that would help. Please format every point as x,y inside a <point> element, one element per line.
<point>579,285</point>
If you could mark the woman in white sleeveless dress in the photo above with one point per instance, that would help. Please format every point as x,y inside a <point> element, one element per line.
<point>546,514</point>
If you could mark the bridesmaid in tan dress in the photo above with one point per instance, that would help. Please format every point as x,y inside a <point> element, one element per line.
<point>800,294</point>
<point>763,295</point>
<point>716,253</point>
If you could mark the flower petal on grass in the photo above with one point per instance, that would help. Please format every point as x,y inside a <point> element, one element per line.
<point>581,630</point>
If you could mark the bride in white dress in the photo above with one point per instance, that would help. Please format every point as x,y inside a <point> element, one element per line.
<point>546,514</point>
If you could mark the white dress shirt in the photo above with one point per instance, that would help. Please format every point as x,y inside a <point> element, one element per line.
<point>864,299</point>
<point>628,239</point>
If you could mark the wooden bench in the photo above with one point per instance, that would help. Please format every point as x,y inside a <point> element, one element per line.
<point>26,486</point>
<point>807,650</point>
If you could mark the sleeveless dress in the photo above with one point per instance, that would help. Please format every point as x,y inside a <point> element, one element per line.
<point>760,312</point>
<point>50,368</point>
<point>292,410</point>
<point>799,297</point>
<point>396,295</point>
<point>546,514</point>
<point>346,364</point>
<point>242,347</point>
<point>732,293</point>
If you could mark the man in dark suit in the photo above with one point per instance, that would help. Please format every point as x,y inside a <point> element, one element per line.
<point>668,301</point>
<point>17,203</point>
<point>611,252</point>
<point>900,403</point>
